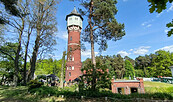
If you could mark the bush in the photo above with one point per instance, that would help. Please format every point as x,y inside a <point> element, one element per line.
<point>44,91</point>
<point>34,84</point>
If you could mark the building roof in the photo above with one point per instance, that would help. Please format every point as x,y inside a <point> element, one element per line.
<point>74,12</point>
<point>126,81</point>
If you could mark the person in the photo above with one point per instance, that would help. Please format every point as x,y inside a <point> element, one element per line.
<point>53,83</point>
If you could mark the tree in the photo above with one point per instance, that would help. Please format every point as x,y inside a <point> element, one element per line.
<point>131,60</point>
<point>129,70</point>
<point>102,26</point>
<point>119,66</point>
<point>62,70</point>
<point>45,26</point>
<point>11,8</point>
<point>159,6</point>
<point>7,55</point>
<point>142,62</point>
<point>102,75</point>
<point>15,17</point>
<point>162,62</point>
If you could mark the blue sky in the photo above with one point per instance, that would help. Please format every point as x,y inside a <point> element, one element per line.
<point>145,32</point>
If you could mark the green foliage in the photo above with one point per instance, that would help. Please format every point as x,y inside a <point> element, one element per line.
<point>170,25</point>
<point>44,91</point>
<point>118,66</point>
<point>139,73</point>
<point>142,62</point>
<point>102,76</point>
<point>34,84</point>
<point>11,8</point>
<point>102,22</point>
<point>154,65</point>
<point>49,66</point>
<point>162,62</point>
<point>129,70</point>
<point>159,6</point>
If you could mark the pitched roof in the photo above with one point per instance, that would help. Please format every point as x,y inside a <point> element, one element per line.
<point>74,12</point>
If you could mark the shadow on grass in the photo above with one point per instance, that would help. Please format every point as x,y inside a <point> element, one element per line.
<point>19,94</point>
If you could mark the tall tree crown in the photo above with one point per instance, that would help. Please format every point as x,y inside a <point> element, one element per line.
<point>103,23</point>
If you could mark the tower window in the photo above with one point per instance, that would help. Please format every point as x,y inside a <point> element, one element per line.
<point>72,67</point>
<point>70,18</point>
<point>76,18</point>
<point>73,58</point>
<point>71,38</point>
<point>69,68</point>
<point>70,58</point>
<point>70,49</point>
<point>69,73</point>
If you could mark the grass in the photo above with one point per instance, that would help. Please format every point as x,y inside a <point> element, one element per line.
<point>158,87</point>
<point>154,90</point>
<point>18,94</point>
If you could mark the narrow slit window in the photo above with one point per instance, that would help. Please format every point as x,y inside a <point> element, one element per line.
<point>71,38</point>
<point>69,73</point>
<point>70,58</point>
<point>70,49</point>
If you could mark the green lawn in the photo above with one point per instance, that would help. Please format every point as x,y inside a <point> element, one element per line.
<point>155,87</point>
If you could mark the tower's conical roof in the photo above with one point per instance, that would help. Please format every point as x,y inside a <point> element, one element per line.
<point>74,12</point>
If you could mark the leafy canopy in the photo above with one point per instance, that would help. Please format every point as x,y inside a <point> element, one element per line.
<point>102,22</point>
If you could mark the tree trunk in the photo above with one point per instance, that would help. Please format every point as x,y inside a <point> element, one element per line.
<point>15,78</point>
<point>92,48</point>
<point>26,53</point>
<point>62,70</point>
<point>145,72</point>
<point>34,57</point>
<point>37,43</point>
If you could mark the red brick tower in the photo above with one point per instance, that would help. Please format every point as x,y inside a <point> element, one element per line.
<point>74,26</point>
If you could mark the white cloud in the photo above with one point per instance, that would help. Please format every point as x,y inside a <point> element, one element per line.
<point>171,8</point>
<point>131,50</point>
<point>149,25</point>
<point>158,15</point>
<point>63,35</point>
<point>123,53</point>
<point>87,53</point>
<point>141,50</point>
<point>166,31</point>
<point>166,48</point>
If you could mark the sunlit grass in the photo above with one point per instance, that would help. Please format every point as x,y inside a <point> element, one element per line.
<point>158,87</point>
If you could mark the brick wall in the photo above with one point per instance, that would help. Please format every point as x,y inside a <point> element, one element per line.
<point>74,55</point>
<point>127,85</point>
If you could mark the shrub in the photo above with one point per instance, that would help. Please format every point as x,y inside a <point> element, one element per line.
<point>44,91</point>
<point>34,84</point>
